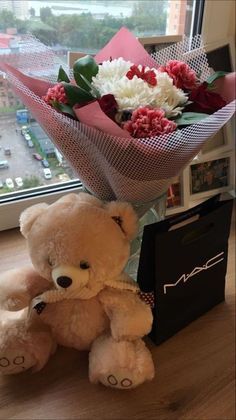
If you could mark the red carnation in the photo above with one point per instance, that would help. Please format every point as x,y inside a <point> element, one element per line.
<point>147,122</point>
<point>56,94</point>
<point>183,77</point>
<point>148,75</point>
<point>205,100</point>
<point>108,105</point>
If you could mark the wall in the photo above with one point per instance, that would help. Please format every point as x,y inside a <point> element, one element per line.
<point>218,21</point>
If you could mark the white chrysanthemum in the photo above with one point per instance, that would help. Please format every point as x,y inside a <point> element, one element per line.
<point>105,86</point>
<point>168,96</point>
<point>111,71</point>
<point>130,94</point>
<point>172,112</point>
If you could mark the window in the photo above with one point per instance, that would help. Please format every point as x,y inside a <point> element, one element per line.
<point>65,26</point>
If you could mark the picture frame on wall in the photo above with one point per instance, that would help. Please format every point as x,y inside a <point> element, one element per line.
<point>177,195</point>
<point>221,55</point>
<point>211,176</point>
<point>205,170</point>
<point>156,43</point>
<point>221,142</point>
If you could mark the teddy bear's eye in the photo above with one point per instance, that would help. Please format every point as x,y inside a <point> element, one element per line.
<point>84,265</point>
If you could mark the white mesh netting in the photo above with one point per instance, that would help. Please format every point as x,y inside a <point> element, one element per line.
<point>135,170</point>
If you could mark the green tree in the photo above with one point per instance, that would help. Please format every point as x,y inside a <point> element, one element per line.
<point>45,14</point>
<point>22,26</point>
<point>43,32</point>
<point>31,182</point>
<point>84,32</point>
<point>149,16</point>
<point>7,20</point>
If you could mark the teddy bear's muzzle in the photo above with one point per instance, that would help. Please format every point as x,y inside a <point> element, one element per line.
<point>69,277</point>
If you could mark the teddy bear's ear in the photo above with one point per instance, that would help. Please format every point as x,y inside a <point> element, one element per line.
<point>80,198</point>
<point>28,217</point>
<point>89,199</point>
<point>67,198</point>
<point>124,215</point>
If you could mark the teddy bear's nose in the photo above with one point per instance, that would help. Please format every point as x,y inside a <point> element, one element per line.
<point>64,281</point>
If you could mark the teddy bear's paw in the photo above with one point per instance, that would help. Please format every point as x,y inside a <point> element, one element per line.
<point>122,364</point>
<point>120,380</point>
<point>37,305</point>
<point>16,360</point>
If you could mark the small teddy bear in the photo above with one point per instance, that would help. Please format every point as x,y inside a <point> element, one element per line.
<point>81,246</point>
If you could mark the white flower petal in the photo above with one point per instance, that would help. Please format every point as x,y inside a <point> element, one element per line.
<point>131,94</point>
<point>111,71</point>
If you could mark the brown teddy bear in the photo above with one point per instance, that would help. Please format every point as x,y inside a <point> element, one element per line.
<point>81,246</point>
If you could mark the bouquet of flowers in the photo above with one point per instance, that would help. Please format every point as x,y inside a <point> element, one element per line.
<point>127,122</point>
<point>144,102</point>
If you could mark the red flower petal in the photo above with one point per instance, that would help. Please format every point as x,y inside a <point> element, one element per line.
<point>149,76</point>
<point>148,122</point>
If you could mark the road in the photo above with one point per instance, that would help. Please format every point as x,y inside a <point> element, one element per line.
<point>21,162</point>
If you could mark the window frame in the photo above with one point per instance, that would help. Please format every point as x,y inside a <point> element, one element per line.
<point>12,204</point>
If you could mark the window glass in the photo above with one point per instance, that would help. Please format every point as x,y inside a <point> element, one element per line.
<point>28,158</point>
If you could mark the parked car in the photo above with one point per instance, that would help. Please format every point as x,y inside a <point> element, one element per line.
<point>27,137</point>
<point>30,143</point>
<point>7,151</point>
<point>37,156</point>
<point>9,183</point>
<point>19,182</point>
<point>45,163</point>
<point>24,129</point>
<point>47,173</point>
<point>4,164</point>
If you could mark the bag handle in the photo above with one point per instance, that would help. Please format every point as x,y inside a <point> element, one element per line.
<point>199,211</point>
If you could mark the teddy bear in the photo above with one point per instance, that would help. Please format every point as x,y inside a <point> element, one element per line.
<point>80,246</point>
<point>24,343</point>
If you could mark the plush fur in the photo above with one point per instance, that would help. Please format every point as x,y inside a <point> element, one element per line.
<point>24,343</point>
<point>80,247</point>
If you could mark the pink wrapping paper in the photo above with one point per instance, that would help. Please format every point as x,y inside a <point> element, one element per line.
<point>39,87</point>
<point>116,166</point>
<point>93,115</point>
<point>225,86</point>
<point>125,45</point>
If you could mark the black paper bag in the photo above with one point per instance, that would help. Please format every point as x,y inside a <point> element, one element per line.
<point>185,267</point>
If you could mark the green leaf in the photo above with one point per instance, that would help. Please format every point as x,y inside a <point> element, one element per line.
<point>188,118</point>
<point>85,66</point>
<point>62,76</point>
<point>91,88</point>
<point>66,109</point>
<point>215,76</point>
<point>76,95</point>
<point>86,82</point>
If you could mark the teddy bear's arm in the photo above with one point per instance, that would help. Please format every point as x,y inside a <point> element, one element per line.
<point>130,318</point>
<point>19,286</point>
